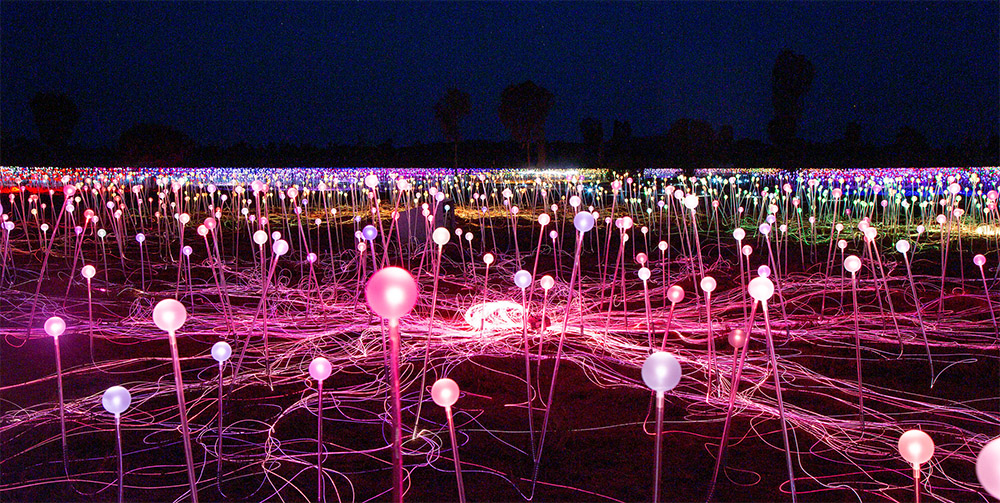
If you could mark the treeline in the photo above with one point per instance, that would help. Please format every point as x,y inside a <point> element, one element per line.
<point>523,111</point>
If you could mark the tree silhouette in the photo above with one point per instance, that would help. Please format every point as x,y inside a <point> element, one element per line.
<point>154,145</point>
<point>691,142</point>
<point>593,135</point>
<point>791,79</point>
<point>448,110</point>
<point>55,117</point>
<point>523,110</point>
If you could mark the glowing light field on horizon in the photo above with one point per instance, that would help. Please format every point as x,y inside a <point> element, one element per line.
<point>375,334</point>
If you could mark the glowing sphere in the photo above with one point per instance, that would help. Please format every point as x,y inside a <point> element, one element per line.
<point>988,467</point>
<point>661,372</point>
<point>441,236</point>
<point>221,351</point>
<point>187,250</point>
<point>445,392</point>
<point>739,234</point>
<point>842,244</point>
<point>870,233</point>
<point>311,257</point>
<point>202,230</point>
<point>369,232</point>
<point>708,284</point>
<point>574,201</point>
<point>920,229</point>
<point>644,273</point>
<point>391,292</point>
<point>764,271</point>
<point>902,246</point>
<point>371,181</point>
<point>737,338</point>
<point>747,250</point>
<point>761,289</point>
<point>488,258</point>
<point>260,237</point>
<point>116,399</point>
<point>662,246</point>
<point>583,221</point>
<point>641,258</point>
<point>522,279</point>
<point>675,294</point>
<point>275,235</point>
<point>916,447</point>
<point>280,247</point>
<point>140,237</point>
<point>320,368</point>
<point>553,234</point>
<point>691,201</point>
<point>169,315</point>
<point>55,326</point>
<point>764,228</point>
<point>88,271</point>
<point>979,260</point>
<point>852,264</point>
<point>547,282</point>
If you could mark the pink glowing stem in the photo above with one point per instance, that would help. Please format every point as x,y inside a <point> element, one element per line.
<point>397,413</point>
<point>454,447</point>
<point>320,497</point>
<point>658,451</point>
<point>185,431</point>
<point>781,403</point>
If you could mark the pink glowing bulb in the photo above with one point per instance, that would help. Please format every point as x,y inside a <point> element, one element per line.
<point>764,228</point>
<point>320,368</point>
<point>202,230</point>
<point>553,234</point>
<point>641,258</point>
<point>761,289</point>
<point>902,246</point>
<point>870,233</point>
<point>737,338</point>
<point>675,294</point>
<point>547,282</point>
<point>55,326</point>
<point>747,250</point>
<point>661,372</point>
<point>280,247</point>
<point>583,221</point>
<point>979,260</point>
<point>441,236</point>
<point>522,279</point>
<point>662,246</point>
<point>644,273</point>
<point>116,400</point>
<point>691,201</point>
<point>739,234</point>
<point>210,223</point>
<point>488,259</point>
<point>842,244</point>
<point>260,237</point>
<point>988,467</point>
<point>708,284</point>
<point>391,292</point>
<point>852,264</point>
<point>311,257</point>
<point>764,271</point>
<point>916,447</point>
<point>221,351</point>
<point>169,315</point>
<point>445,392</point>
<point>88,271</point>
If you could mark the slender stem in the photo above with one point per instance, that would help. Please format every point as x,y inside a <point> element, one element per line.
<point>179,384</point>
<point>454,448</point>
<point>781,403</point>
<point>320,497</point>
<point>218,442</point>
<point>916,482</point>
<point>397,427</point>
<point>121,471</point>
<point>658,453</point>
<point>857,350</point>
<point>62,407</point>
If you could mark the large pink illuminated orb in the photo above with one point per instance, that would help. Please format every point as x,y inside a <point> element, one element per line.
<point>445,392</point>
<point>169,315</point>
<point>391,292</point>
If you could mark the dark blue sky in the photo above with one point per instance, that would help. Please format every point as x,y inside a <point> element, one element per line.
<point>326,72</point>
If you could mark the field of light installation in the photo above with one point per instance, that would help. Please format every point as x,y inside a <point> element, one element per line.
<point>360,335</point>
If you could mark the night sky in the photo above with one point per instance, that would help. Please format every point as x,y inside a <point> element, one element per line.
<point>324,72</point>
